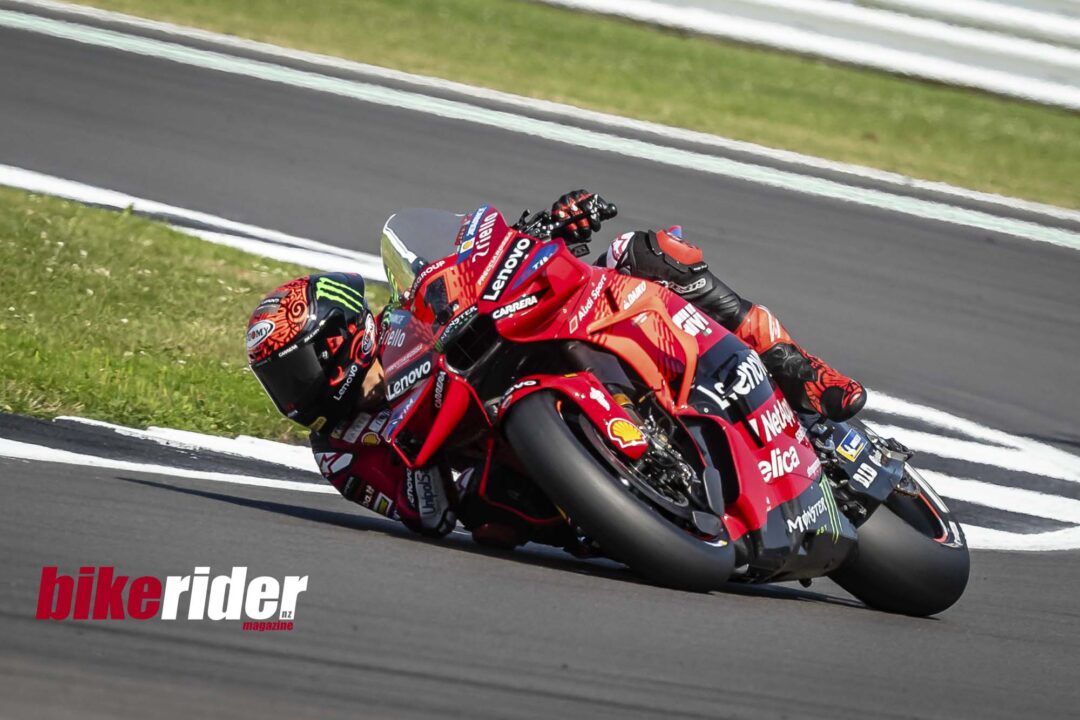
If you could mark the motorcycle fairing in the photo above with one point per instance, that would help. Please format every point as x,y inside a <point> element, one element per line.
<point>535,291</point>
<point>593,399</point>
<point>804,537</point>
<point>492,490</point>
<point>639,315</point>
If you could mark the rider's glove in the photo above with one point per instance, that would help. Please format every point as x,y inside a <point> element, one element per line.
<point>426,490</point>
<point>580,211</point>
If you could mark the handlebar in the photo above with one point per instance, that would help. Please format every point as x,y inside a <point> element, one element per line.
<point>542,225</point>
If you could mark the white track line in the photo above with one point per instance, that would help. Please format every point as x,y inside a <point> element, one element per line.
<point>982,538</point>
<point>1016,500</point>
<point>1025,455</point>
<point>978,537</point>
<point>553,109</point>
<point>298,457</point>
<point>546,130</point>
<point>264,242</point>
<point>1025,502</point>
<point>40,453</point>
<point>1009,458</point>
<point>1039,24</point>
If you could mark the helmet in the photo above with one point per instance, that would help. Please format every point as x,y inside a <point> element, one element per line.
<point>310,342</point>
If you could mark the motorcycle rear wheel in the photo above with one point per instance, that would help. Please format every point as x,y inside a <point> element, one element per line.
<point>626,527</point>
<point>899,564</point>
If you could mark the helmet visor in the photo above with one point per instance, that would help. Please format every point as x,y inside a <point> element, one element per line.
<point>293,379</point>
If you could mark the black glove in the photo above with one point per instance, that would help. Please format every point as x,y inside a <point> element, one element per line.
<point>581,212</point>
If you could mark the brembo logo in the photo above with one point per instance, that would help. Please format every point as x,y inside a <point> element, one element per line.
<point>99,593</point>
<point>506,270</point>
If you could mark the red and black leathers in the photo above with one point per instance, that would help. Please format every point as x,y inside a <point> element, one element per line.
<point>356,459</point>
<point>806,380</point>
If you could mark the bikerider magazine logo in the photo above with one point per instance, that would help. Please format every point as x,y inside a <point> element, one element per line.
<point>263,603</point>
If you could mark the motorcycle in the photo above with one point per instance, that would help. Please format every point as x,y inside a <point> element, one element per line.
<point>640,425</point>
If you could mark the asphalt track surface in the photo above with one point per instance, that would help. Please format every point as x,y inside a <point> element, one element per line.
<point>396,626</point>
<point>979,324</point>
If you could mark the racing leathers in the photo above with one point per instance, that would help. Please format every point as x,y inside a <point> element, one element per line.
<point>808,383</point>
<point>356,458</point>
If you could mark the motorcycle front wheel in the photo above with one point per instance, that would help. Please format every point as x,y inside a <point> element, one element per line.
<point>604,507</point>
<point>911,557</point>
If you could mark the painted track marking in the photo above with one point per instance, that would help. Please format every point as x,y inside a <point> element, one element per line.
<point>249,238</point>
<point>40,453</point>
<point>992,496</point>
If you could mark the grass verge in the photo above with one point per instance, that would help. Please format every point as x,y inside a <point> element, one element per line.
<point>111,316</point>
<point>958,136</point>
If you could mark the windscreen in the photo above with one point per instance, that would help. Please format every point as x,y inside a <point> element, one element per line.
<point>412,238</point>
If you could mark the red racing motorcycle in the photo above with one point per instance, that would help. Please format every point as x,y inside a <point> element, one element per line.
<point>639,424</point>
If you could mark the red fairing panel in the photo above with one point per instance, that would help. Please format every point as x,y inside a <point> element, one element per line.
<point>652,329</point>
<point>585,391</point>
<point>774,461</point>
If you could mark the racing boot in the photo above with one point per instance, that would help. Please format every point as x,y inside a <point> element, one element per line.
<point>806,381</point>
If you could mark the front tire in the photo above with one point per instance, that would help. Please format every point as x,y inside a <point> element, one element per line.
<point>908,560</point>
<point>626,528</point>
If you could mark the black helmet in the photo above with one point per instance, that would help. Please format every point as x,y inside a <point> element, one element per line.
<point>310,342</point>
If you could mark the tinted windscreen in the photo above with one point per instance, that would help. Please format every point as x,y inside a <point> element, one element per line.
<point>413,237</point>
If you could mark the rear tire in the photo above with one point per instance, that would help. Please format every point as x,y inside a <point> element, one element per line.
<point>897,568</point>
<point>626,528</point>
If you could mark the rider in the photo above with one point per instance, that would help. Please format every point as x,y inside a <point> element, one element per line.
<point>313,342</point>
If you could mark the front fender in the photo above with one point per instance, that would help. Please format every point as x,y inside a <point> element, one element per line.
<point>593,399</point>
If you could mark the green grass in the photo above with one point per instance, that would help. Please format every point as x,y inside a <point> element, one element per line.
<point>930,131</point>
<point>110,316</point>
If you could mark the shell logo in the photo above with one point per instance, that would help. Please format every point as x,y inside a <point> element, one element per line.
<point>624,433</point>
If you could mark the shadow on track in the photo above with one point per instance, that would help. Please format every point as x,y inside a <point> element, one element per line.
<point>532,554</point>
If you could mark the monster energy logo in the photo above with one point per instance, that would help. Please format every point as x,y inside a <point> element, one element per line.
<point>834,512</point>
<point>327,289</point>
